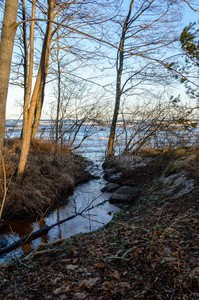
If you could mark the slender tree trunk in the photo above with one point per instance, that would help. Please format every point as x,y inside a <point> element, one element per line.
<point>59,93</point>
<point>119,65</point>
<point>28,65</point>
<point>39,84</point>
<point>29,70</point>
<point>44,67</point>
<point>6,49</point>
<point>38,111</point>
<point>58,105</point>
<point>25,44</point>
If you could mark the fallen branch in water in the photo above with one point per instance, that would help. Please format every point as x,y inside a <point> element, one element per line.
<point>44,230</point>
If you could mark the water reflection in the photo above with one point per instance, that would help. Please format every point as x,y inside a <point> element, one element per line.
<point>84,195</point>
<point>44,238</point>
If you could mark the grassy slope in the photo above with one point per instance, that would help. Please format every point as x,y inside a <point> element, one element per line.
<point>47,180</point>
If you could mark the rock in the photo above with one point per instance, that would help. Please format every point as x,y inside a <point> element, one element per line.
<point>125,194</point>
<point>110,187</point>
<point>176,185</point>
<point>113,178</point>
<point>130,163</point>
<point>88,162</point>
<point>108,173</point>
<point>3,243</point>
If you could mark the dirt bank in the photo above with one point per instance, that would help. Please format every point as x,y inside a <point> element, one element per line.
<point>47,180</point>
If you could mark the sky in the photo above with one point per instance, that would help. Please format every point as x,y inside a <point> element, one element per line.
<point>15,94</point>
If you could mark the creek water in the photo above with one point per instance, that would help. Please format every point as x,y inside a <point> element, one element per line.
<point>84,195</point>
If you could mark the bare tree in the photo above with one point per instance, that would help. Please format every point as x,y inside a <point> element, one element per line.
<point>147,29</point>
<point>79,113</point>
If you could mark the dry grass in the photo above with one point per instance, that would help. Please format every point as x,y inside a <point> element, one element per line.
<point>47,180</point>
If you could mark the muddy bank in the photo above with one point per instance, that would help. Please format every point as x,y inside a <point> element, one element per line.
<point>46,182</point>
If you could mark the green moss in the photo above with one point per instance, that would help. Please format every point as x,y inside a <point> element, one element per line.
<point>173,170</point>
<point>159,228</point>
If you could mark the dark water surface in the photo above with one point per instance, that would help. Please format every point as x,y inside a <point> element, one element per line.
<point>84,195</point>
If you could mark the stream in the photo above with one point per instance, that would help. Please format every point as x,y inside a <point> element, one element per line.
<point>93,148</point>
<point>84,195</point>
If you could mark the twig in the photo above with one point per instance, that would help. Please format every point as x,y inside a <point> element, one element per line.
<point>41,252</point>
<point>178,261</point>
<point>172,294</point>
<point>60,241</point>
<point>44,230</point>
<point>93,220</point>
<point>120,257</point>
<point>127,252</point>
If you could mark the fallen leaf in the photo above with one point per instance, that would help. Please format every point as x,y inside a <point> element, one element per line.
<point>71,267</point>
<point>67,260</point>
<point>57,291</point>
<point>99,266</point>
<point>90,282</point>
<point>194,272</point>
<point>75,261</point>
<point>116,274</point>
<point>80,295</point>
<point>106,286</point>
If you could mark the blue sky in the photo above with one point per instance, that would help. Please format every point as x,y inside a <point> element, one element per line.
<point>15,95</point>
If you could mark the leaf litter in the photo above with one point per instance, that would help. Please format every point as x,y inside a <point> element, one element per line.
<point>148,251</point>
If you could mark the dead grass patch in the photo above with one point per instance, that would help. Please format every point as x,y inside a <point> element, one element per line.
<point>47,180</point>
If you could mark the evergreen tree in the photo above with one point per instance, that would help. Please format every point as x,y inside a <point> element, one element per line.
<point>189,40</point>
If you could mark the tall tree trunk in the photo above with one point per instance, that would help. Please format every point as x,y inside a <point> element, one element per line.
<point>6,49</point>
<point>44,67</point>
<point>119,66</point>
<point>38,111</point>
<point>58,91</point>
<point>58,104</point>
<point>25,44</point>
<point>39,84</point>
<point>28,71</point>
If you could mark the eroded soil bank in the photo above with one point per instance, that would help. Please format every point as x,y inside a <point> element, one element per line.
<point>148,251</point>
<point>49,177</point>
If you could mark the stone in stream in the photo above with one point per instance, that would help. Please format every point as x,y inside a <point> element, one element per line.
<point>113,178</point>
<point>125,194</point>
<point>110,187</point>
<point>3,243</point>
